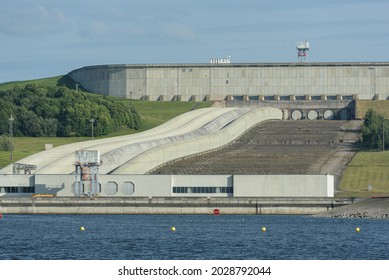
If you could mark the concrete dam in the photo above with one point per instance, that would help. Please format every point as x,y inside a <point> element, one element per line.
<point>204,154</point>
<point>302,90</point>
<point>239,81</point>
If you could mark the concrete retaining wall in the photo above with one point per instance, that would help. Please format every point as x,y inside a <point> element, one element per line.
<point>148,205</point>
<point>324,109</point>
<point>217,81</point>
<point>284,186</point>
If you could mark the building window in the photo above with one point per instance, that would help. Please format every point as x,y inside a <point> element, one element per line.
<point>128,188</point>
<point>238,97</point>
<point>111,188</point>
<point>203,190</point>
<point>17,189</point>
<point>285,97</point>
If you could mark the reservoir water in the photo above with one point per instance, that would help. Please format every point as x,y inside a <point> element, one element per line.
<point>145,237</point>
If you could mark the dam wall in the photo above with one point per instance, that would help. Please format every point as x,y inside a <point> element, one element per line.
<point>268,81</point>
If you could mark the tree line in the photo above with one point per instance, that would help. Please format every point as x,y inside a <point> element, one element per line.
<point>56,111</point>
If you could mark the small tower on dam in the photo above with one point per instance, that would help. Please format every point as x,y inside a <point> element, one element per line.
<point>302,50</point>
<point>87,173</point>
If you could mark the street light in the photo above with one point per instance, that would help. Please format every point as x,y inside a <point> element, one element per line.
<point>11,119</point>
<point>92,121</point>
<point>383,134</point>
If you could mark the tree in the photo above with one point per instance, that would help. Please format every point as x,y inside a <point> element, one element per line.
<point>59,111</point>
<point>372,130</point>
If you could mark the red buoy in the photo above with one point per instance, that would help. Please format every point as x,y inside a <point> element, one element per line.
<point>216,211</point>
<point>1,215</point>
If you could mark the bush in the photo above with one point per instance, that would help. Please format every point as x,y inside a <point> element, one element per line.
<point>4,143</point>
<point>58,111</point>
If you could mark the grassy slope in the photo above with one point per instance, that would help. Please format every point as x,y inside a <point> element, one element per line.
<point>381,106</point>
<point>366,169</point>
<point>58,81</point>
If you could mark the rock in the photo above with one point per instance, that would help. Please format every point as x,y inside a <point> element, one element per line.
<point>373,208</point>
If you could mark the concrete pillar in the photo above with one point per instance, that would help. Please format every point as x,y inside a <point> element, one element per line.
<point>323,97</point>
<point>355,96</point>
<point>161,98</point>
<point>229,98</point>
<point>339,97</point>
<point>245,98</point>
<point>193,98</point>
<point>276,98</point>
<point>307,97</point>
<point>376,97</point>
<point>207,97</point>
<point>292,97</point>
<point>285,114</point>
<point>261,97</point>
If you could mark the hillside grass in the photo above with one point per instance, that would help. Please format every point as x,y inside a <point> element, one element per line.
<point>368,168</point>
<point>64,80</point>
<point>380,106</point>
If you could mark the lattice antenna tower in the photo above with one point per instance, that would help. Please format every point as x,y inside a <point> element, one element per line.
<point>302,50</point>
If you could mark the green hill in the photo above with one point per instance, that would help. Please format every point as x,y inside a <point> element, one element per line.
<point>53,81</point>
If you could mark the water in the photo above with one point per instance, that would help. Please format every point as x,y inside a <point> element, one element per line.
<point>145,237</point>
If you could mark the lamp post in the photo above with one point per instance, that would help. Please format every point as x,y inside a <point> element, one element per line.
<point>92,121</point>
<point>383,134</point>
<point>11,119</point>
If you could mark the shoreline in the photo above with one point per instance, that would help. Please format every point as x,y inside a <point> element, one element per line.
<point>170,205</point>
<point>369,208</point>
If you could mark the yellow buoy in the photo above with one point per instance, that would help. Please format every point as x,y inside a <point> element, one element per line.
<point>263,229</point>
<point>173,229</point>
<point>82,228</point>
<point>357,229</point>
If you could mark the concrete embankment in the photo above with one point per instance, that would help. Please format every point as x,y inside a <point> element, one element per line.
<point>373,208</point>
<point>168,205</point>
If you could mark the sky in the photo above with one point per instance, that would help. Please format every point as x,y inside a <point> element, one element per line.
<point>46,38</point>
